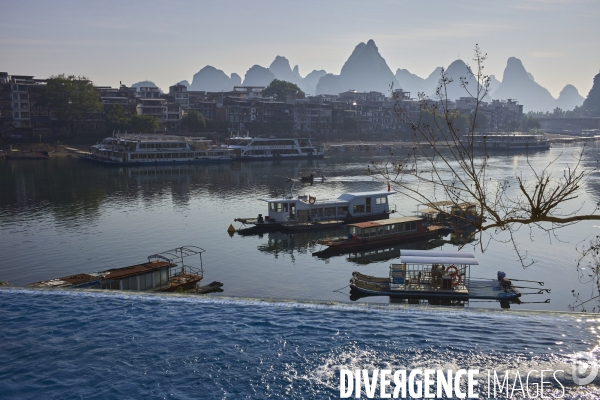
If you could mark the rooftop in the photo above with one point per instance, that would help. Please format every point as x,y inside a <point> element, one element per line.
<point>384,222</point>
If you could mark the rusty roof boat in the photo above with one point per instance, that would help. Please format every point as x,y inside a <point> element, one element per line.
<point>167,271</point>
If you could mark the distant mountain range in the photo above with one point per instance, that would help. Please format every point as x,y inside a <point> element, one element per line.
<point>366,70</point>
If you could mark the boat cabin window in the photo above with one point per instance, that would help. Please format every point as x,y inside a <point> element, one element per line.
<point>355,231</point>
<point>112,285</point>
<point>329,211</point>
<point>409,226</point>
<point>315,212</point>
<point>132,283</point>
<point>358,208</point>
<point>342,210</point>
<point>275,207</point>
<point>381,200</point>
<point>164,277</point>
<point>285,207</point>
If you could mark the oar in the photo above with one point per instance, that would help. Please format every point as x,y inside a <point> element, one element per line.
<point>536,302</point>
<point>525,280</point>
<point>527,287</point>
<point>520,280</point>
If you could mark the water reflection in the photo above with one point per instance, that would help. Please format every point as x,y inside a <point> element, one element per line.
<point>61,216</point>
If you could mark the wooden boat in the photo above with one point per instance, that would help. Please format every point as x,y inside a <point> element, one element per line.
<point>434,274</point>
<point>458,216</point>
<point>371,234</point>
<point>164,272</point>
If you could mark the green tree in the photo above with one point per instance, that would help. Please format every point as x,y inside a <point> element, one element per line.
<point>482,122</point>
<point>115,118</point>
<point>73,98</point>
<point>193,121</point>
<point>280,89</point>
<point>143,123</point>
<point>530,122</point>
<point>513,125</point>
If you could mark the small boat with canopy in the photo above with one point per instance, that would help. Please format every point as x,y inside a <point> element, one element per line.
<point>434,274</point>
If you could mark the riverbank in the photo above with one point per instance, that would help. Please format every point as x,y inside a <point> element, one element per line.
<point>54,150</point>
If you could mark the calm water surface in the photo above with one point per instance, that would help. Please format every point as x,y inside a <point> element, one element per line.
<point>63,216</point>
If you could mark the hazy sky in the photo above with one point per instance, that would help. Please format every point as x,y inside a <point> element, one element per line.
<point>168,41</point>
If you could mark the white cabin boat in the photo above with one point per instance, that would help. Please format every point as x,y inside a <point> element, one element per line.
<point>510,141</point>
<point>155,149</point>
<point>308,212</point>
<point>248,148</point>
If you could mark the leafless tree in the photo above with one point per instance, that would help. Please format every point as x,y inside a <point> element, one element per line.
<point>446,171</point>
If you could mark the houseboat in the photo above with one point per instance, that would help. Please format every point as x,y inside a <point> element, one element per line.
<point>510,141</point>
<point>143,149</point>
<point>164,272</point>
<point>249,148</point>
<point>365,235</point>
<point>434,274</point>
<point>298,213</point>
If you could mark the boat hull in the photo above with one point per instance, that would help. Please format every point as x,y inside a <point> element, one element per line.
<point>182,282</point>
<point>477,290</point>
<point>351,245</point>
<point>146,163</point>
<point>277,158</point>
<point>264,227</point>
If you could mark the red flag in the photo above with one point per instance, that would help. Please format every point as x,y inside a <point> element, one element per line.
<point>389,187</point>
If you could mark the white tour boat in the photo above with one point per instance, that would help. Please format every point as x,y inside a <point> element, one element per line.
<point>299,213</point>
<point>155,149</point>
<point>510,141</point>
<point>249,148</point>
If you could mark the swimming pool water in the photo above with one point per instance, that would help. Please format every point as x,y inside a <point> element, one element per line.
<point>85,344</point>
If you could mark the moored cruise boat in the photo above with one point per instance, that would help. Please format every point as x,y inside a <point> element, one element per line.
<point>155,149</point>
<point>510,141</point>
<point>251,148</point>
<point>298,213</point>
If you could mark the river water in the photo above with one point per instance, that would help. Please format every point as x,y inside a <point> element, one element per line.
<point>63,216</point>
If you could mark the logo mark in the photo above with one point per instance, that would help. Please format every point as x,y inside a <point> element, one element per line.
<point>585,368</point>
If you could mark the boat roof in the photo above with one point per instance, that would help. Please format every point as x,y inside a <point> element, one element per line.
<point>437,257</point>
<point>383,222</point>
<point>264,138</point>
<point>345,198</point>
<point>352,196</point>
<point>111,274</point>
<point>67,281</point>
<point>120,273</point>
